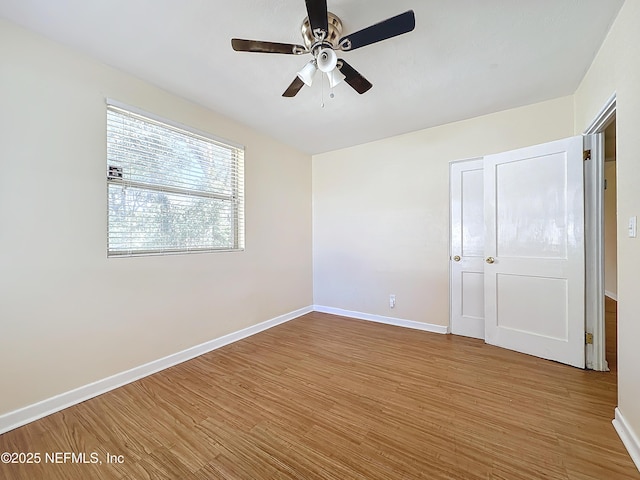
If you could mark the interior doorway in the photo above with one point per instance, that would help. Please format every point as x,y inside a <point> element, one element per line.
<point>610,246</point>
<point>599,297</point>
<point>596,352</point>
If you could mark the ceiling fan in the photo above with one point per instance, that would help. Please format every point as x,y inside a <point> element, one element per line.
<point>322,35</point>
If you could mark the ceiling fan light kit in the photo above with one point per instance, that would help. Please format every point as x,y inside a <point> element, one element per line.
<point>327,60</point>
<point>335,77</point>
<point>308,72</point>
<point>322,36</point>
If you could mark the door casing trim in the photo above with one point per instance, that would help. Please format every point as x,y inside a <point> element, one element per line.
<point>594,236</point>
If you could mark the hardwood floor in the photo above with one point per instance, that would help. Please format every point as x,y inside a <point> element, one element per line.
<point>323,397</point>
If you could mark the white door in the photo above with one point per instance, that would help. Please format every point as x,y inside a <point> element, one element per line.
<point>467,248</point>
<point>534,250</point>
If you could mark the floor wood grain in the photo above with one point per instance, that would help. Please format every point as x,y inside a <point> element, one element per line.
<point>324,397</point>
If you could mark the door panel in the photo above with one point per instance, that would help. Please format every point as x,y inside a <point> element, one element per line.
<point>467,248</point>
<point>473,296</point>
<point>472,213</point>
<point>531,213</point>
<point>534,244</point>
<point>550,313</point>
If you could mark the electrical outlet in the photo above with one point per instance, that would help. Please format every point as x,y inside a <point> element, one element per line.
<point>392,301</point>
<point>633,227</point>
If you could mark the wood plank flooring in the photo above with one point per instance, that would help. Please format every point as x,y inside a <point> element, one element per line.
<point>324,397</point>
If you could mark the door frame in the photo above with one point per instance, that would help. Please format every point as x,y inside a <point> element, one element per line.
<point>594,236</point>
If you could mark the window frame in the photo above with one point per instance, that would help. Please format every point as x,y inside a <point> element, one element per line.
<point>236,197</point>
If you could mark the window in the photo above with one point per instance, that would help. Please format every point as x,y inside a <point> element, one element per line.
<point>170,189</point>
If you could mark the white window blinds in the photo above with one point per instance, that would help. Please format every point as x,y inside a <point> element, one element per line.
<point>170,190</point>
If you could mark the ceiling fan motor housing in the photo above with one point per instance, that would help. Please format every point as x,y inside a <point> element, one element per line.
<point>330,41</point>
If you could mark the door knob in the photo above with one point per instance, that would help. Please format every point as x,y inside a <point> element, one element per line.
<point>490,260</point>
<point>456,258</point>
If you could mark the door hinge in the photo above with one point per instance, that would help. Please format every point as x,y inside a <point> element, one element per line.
<point>588,338</point>
<point>586,155</point>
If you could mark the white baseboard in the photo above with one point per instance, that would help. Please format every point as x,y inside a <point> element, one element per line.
<point>611,295</point>
<point>628,437</point>
<point>30,413</point>
<point>427,327</point>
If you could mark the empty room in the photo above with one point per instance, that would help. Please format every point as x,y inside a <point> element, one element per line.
<point>321,239</point>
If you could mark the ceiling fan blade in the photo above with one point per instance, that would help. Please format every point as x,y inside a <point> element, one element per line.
<point>317,11</point>
<point>391,27</point>
<point>353,78</point>
<point>294,88</point>
<point>240,45</point>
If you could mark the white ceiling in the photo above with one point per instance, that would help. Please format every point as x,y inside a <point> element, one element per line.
<point>465,58</point>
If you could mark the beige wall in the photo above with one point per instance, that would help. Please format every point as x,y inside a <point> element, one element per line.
<point>70,316</point>
<point>610,231</point>
<point>617,69</point>
<point>381,215</point>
